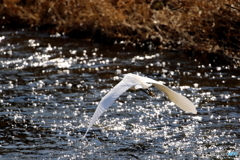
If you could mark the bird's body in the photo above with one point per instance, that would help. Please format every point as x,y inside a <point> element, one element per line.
<point>135,82</point>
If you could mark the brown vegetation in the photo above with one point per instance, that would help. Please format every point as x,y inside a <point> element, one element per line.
<point>202,27</point>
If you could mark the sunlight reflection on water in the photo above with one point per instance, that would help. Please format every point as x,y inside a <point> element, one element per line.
<point>51,85</point>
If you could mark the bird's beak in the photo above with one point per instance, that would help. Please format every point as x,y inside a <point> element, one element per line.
<point>148,92</point>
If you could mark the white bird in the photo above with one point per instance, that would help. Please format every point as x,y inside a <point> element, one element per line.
<point>136,82</point>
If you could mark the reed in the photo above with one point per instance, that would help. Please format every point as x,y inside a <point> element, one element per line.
<point>206,28</point>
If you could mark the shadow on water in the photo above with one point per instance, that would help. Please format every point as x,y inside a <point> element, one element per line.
<point>51,85</point>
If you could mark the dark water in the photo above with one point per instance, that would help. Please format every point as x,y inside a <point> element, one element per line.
<point>50,86</point>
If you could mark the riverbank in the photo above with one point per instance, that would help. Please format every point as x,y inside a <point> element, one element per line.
<point>206,30</point>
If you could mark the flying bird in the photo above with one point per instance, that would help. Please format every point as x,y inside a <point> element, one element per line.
<point>136,82</point>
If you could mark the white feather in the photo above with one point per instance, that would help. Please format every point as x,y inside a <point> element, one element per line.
<point>137,82</point>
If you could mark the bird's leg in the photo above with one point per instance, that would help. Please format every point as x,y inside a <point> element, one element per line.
<point>144,90</point>
<point>148,92</point>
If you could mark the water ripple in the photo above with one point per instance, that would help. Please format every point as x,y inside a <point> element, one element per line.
<point>51,85</point>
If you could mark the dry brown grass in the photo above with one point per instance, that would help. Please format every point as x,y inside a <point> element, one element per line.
<point>202,27</point>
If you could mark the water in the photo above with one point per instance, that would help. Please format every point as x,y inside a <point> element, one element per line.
<point>51,85</point>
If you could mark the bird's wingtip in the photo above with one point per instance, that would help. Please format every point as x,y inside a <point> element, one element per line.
<point>194,111</point>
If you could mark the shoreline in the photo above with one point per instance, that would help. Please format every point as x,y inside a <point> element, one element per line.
<point>208,31</point>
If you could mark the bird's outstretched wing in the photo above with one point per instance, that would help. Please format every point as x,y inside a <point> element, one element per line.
<point>109,99</point>
<point>181,101</point>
